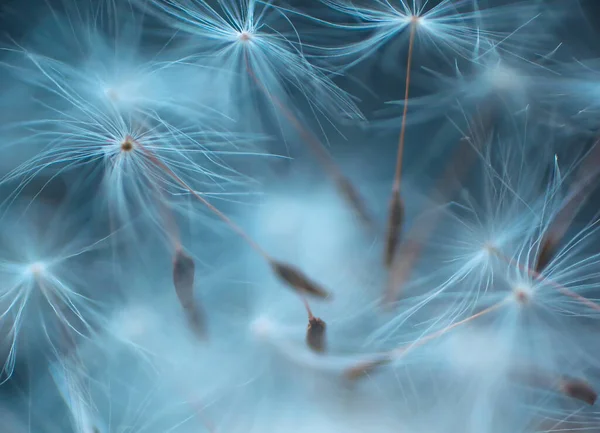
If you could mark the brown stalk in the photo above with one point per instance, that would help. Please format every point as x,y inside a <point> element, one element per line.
<point>184,267</point>
<point>364,368</point>
<point>396,212</point>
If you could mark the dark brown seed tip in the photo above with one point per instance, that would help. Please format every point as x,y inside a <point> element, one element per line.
<point>547,251</point>
<point>184,270</point>
<point>394,227</point>
<point>315,334</point>
<point>579,389</point>
<point>296,279</point>
<point>365,368</point>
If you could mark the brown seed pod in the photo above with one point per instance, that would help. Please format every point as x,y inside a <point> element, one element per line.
<point>394,228</point>
<point>296,279</point>
<point>578,389</point>
<point>315,334</point>
<point>184,271</point>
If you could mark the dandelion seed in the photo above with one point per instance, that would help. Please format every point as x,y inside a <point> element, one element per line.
<point>296,279</point>
<point>462,27</point>
<point>263,35</point>
<point>395,221</point>
<point>97,108</point>
<point>42,288</point>
<point>443,22</point>
<point>85,136</point>
<point>315,332</point>
<point>240,34</point>
<point>578,389</point>
<point>183,279</point>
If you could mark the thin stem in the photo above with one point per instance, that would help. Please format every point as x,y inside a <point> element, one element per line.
<point>206,203</point>
<point>395,220</point>
<point>398,353</point>
<point>398,175</point>
<point>308,310</point>
<point>385,358</point>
